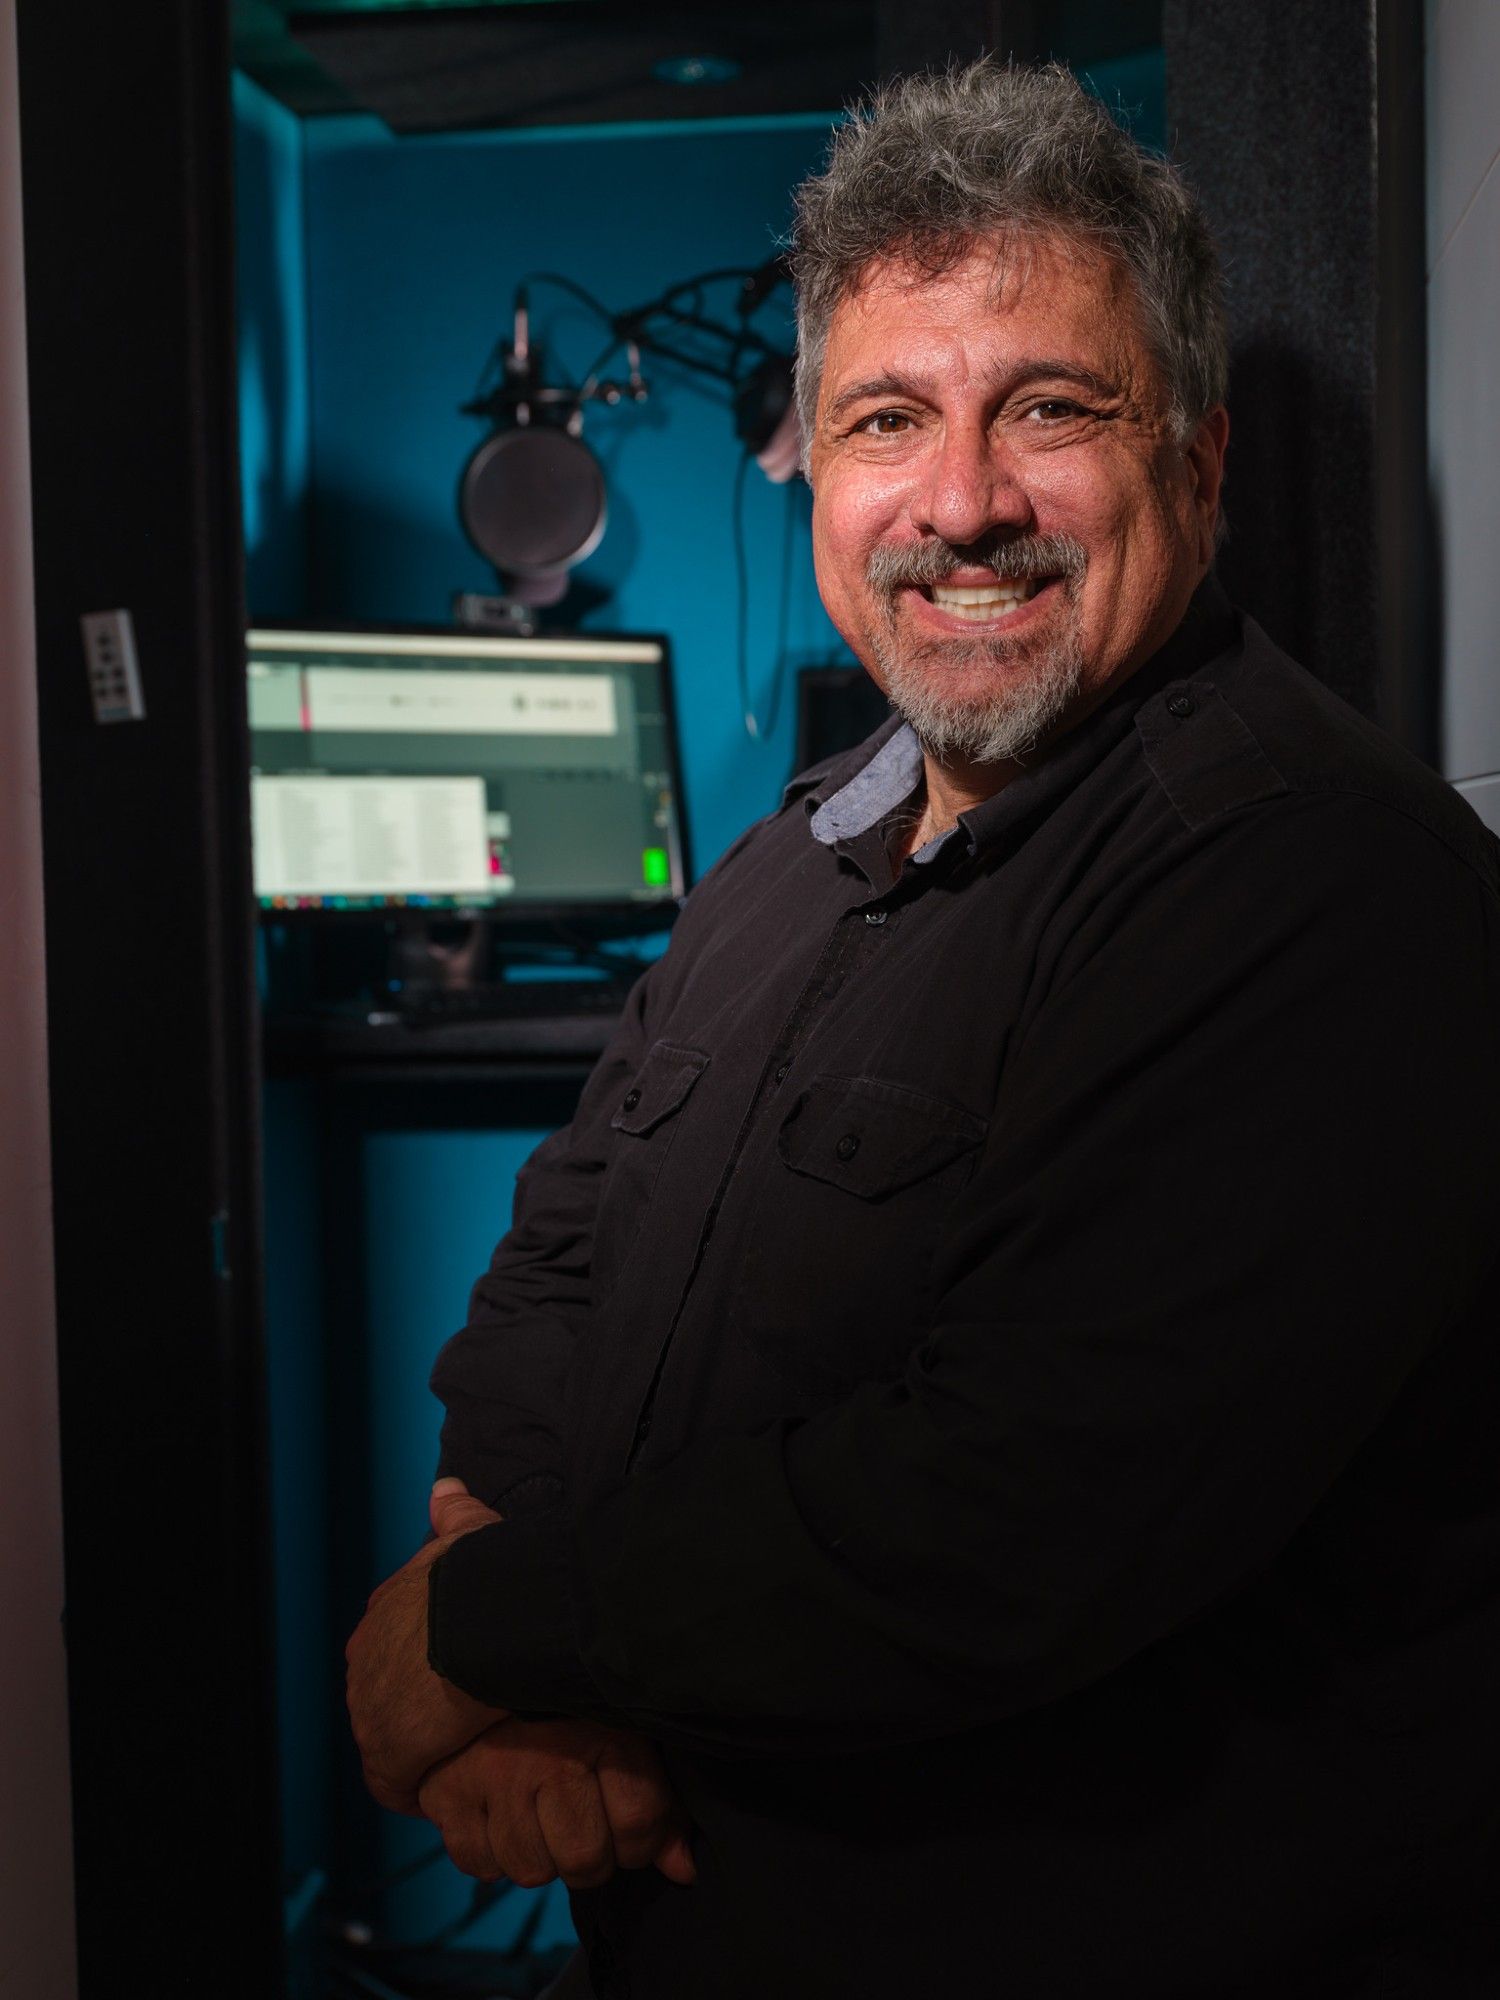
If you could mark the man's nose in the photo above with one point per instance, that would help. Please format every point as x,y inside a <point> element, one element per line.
<point>973,487</point>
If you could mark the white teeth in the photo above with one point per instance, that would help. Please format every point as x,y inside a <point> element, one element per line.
<point>979,602</point>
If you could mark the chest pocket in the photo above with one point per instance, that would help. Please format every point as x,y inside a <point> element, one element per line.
<point>837,1289</point>
<point>645,1123</point>
<point>871,1138</point>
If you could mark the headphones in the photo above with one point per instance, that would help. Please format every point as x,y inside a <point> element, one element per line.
<point>765,418</point>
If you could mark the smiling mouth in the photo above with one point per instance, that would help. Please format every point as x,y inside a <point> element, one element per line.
<point>985,603</point>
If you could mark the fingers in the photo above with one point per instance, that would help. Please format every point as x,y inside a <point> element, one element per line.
<point>453,1510</point>
<point>638,1804</point>
<point>516,1844</point>
<point>570,1815</point>
<point>675,1860</point>
<point>466,1836</point>
<point>461,1820</point>
<point>536,1800</point>
<point>487,1831</point>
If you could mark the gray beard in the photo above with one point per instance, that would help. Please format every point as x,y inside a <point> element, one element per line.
<point>1029,698</point>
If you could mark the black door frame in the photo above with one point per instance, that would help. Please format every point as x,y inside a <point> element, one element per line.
<point>126,161</point>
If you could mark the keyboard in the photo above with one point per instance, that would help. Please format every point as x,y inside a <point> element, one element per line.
<point>512,1000</point>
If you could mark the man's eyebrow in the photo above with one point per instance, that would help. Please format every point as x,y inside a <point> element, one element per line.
<point>1016,376</point>
<point>872,387</point>
<point>1064,371</point>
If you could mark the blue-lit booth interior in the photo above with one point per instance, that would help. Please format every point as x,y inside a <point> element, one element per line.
<point>375,275</point>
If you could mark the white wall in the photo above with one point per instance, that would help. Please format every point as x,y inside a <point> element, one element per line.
<point>1463,336</point>
<point>36,1865</point>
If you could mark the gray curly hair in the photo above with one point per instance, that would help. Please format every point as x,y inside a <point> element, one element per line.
<point>931,163</point>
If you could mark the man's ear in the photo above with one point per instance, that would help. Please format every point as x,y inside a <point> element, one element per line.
<point>1205,458</point>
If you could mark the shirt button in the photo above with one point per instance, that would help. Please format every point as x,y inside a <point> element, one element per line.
<point>848,1146</point>
<point>643,1430</point>
<point>632,1099</point>
<point>1179,704</point>
<point>876,916</point>
<point>781,1072</point>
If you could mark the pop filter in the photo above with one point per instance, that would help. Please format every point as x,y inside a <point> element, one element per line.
<point>531,497</point>
<point>532,501</point>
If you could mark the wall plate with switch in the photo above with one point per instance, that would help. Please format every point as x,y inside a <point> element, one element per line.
<point>114,671</point>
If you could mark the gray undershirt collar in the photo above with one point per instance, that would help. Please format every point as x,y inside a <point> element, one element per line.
<point>878,788</point>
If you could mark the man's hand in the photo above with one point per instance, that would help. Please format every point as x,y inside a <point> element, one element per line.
<point>405,1717</point>
<point>533,1800</point>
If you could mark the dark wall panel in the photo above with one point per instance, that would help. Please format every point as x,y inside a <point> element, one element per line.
<point>1272,110</point>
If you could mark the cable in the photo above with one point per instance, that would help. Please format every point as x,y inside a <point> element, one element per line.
<point>760,728</point>
<point>784,614</point>
<point>701,345</point>
<point>591,373</point>
<point>570,285</point>
<point>742,598</point>
<point>713,277</point>
<point>704,364</point>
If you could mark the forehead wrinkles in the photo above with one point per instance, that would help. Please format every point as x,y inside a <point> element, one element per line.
<point>1004,274</point>
<point>1004,260</point>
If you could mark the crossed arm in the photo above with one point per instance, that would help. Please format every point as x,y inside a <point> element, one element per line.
<point>530,1800</point>
<point>527,1799</point>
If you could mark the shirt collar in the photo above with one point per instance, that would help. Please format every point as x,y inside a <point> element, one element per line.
<point>891,775</point>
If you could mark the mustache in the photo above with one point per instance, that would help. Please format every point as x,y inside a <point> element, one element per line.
<point>894,566</point>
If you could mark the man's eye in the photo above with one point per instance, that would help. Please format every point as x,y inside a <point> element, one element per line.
<point>886,423</point>
<point>1056,409</point>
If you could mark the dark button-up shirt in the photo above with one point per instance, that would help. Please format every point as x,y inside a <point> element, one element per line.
<point>1000,1378</point>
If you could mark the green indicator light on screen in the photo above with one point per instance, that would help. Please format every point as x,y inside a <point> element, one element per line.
<point>654,867</point>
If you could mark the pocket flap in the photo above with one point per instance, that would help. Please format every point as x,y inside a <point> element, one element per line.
<point>659,1087</point>
<point>874,1138</point>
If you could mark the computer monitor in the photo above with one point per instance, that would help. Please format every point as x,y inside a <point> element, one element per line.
<point>442,773</point>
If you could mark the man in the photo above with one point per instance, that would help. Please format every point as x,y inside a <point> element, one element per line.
<point>996,1389</point>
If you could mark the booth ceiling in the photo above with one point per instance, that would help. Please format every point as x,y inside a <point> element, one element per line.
<point>474,65</point>
<point>512,63</point>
